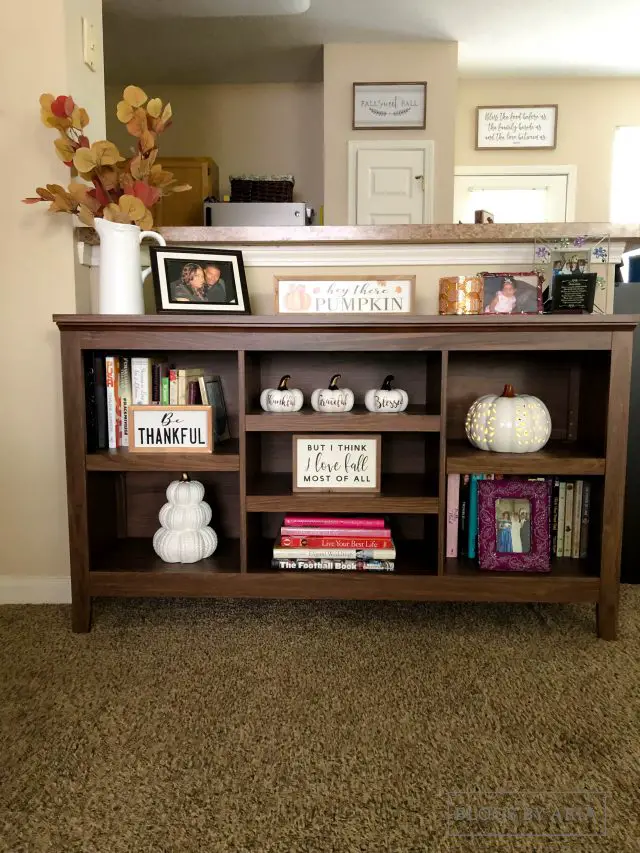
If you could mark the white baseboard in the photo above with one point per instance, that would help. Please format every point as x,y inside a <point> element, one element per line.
<point>18,589</point>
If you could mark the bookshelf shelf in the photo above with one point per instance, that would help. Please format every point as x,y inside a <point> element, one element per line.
<point>580,367</point>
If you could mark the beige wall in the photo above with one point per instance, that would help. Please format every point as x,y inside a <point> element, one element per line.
<point>37,248</point>
<point>344,64</point>
<point>589,110</point>
<point>258,129</point>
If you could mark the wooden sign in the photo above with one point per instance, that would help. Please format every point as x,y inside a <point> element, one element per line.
<point>336,463</point>
<point>350,295</point>
<point>168,429</point>
<point>517,127</point>
<point>389,105</point>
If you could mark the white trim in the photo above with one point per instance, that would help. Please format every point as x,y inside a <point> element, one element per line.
<point>571,173</point>
<point>393,255</point>
<point>26,589</point>
<point>426,145</point>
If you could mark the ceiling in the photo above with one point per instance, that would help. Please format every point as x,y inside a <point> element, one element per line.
<point>280,40</point>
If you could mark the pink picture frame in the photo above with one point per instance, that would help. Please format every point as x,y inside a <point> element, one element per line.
<point>491,555</point>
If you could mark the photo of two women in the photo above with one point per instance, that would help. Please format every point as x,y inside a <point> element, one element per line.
<point>513,526</point>
<point>209,282</point>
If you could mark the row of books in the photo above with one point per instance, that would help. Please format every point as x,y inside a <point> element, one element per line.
<point>334,543</point>
<point>569,514</point>
<point>114,382</point>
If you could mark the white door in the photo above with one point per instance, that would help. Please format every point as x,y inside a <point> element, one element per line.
<point>390,183</point>
<point>516,197</point>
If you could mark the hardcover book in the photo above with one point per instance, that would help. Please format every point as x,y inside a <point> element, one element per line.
<point>356,522</point>
<point>453,501</point>
<point>280,553</point>
<point>584,523</point>
<point>333,565</point>
<point>371,533</point>
<point>140,381</point>
<point>562,500</point>
<point>125,399</point>
<point>340,542</point>
<point>112,419</point>
<point>577,520</point>
<point>568,521</point>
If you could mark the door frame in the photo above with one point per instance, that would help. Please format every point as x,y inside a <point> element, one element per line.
<point>568,171</point>
<point>425,145</point>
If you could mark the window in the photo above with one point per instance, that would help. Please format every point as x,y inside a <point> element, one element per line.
<point>625,175</point>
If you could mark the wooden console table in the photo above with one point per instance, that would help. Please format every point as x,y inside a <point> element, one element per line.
<point>580,366</point>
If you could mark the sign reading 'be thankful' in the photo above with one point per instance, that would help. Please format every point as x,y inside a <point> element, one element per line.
<point>354,295</point>
<point>170,428</point>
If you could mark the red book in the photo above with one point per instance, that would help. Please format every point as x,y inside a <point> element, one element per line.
<point>379,533</point>
<point>360,543</point>
<point>360,523</point>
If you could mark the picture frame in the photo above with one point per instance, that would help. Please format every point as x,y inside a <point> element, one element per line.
<point>331,457</point>
<point>357,294</point>
<point>513,526</point>
<point>528,127</point>
<point>171,429</point>
<point>185,280</point>
<point>512,292</point>
<point>390,106</point>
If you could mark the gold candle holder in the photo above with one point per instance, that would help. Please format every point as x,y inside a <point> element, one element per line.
<point>461,294</point>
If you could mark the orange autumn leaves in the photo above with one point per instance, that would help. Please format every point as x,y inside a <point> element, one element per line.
<point>112,186</point>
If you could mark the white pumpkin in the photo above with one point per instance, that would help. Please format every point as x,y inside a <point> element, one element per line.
<point>185,492</point>
<point>184,546</point>
<point>282,398</point>
<point>386,398</point>
<point>333,399</point>
<point>509,423</point>
<point>178,517</point>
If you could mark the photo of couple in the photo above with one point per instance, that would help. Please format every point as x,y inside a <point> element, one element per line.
<point>513,526</point>
<point>204,282</point>
<point>575,264</point>
<point>512,293</point>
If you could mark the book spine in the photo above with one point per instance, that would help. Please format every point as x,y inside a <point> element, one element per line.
<point>173,386</point>
<point>192,394</point>
<point>333,565</point>
<point>382,533</point>
<point>164,391</point>
<point>568,521</point>
<point>125,399</point>
<point>333,553</point>
<point>361,523</point>
<point>577,520</point>
<point>182,387</point>
<point>140,381</point>
<point>110,372</point>
<point>204,397</point>
<point>91,403</point>
<point>340,542</point>
<point>584,522</point>
<point>473,515</point>
<point>156,375</point>
<point>463,527</point>
<point>562,502</point>
<point>555,500</point>
<point>453,509</point>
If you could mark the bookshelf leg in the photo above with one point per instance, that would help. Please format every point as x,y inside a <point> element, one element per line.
<point>80,614</point>
<point>607,621</point>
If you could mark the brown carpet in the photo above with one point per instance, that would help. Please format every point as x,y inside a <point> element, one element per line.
<point>305,727</point>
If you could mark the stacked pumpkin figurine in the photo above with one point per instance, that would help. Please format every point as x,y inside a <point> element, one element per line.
<point>334,399</point>
<point>185,535</point>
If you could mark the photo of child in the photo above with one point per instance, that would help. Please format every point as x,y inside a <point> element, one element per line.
<point>512,293</point>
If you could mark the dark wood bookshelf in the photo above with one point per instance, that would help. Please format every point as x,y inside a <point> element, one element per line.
<point>580,367</point>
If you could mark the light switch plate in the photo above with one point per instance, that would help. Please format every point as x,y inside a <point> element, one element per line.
<point>89,49</point>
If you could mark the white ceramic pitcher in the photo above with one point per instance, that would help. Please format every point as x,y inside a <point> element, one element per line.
<point>120,289</point>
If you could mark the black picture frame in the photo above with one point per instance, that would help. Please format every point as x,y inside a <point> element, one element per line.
<point>573,294</point>
<point>175,293</point>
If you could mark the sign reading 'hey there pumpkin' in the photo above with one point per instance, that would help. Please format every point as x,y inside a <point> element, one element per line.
<point>353,295</point>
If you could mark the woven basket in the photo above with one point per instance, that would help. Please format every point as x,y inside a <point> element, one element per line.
<point>247,188</point>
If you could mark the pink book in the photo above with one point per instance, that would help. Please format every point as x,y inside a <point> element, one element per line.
<point>332,521</point>
<point>453,503</point>
<point>371,532</point>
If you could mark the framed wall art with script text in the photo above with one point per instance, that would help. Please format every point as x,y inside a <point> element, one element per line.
<point>389,106</point>
<point>517,127</point>
<point>347,295</point>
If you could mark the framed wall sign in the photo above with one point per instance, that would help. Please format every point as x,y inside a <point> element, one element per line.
<point>336,463</point>
<point>517,127</point>
<point>389,105</point>
<point>348,295</point>
<point>167,429</point>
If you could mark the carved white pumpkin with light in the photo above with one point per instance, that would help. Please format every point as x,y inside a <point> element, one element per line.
<point>508,423</point>
<point>282,398</point>
<point>185,536</point>
<point>333,399</point>
<point>386,398</point>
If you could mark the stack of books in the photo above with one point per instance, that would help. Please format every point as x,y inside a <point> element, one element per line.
<point>334,543</point>
<point>569,514</point>
<point>113,383</point>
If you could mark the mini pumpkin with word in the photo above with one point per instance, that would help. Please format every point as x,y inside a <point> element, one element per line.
<point>508,423</point>
<point>386,398</point>
<point>184,535</point>
<point>282,398</point>
<point>333,399</point>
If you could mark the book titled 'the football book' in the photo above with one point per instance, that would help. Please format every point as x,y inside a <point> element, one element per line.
<point>333,565</point>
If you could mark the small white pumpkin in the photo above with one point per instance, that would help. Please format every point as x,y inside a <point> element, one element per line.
<point>282,398</point>
<point>333,399</point>
<point>178,517</point>
<point>386,398</point>
<point>509,423</point>
<point>184,546</point>
<point>185,492</point>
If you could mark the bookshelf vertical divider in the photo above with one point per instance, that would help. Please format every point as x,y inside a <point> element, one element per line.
<point>579,365</point>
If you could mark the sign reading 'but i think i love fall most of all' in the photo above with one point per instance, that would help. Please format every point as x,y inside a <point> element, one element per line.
<point>172,428</point>
<point>345,296</point>
<point>332,463</point>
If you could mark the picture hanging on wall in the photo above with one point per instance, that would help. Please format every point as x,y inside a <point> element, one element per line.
<point>517,127</point>
<point>389,105</point>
